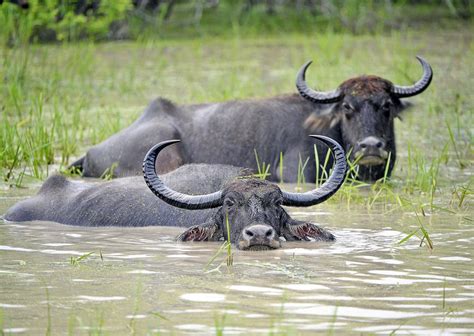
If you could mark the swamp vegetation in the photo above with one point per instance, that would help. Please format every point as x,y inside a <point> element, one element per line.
<point>402,262</point>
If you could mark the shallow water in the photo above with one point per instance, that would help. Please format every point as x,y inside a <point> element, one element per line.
<point>145,282</point>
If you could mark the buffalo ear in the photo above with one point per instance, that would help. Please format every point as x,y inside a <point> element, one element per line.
<point>296,230</point>
<point>202,232</point>
<point>404,105</point>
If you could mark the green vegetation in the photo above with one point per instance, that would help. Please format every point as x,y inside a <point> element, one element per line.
<point>48,305</point>
<point>262,167</point>
<point>230,256</point>
<point>424,234</point>
<point>225,248</point>
<point>219,324</point>
<point>56,20</point>
<point>300,181</point>
<point>76,261</point>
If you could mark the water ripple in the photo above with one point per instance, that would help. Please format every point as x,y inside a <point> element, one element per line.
<point>85,298</point>
<point>312,309</point>
<point>14,330</point>
<point>203,297</point>
<point>304,287</point>
<point>255,289</point>
<point>8,305</point>
<point>16,249</point>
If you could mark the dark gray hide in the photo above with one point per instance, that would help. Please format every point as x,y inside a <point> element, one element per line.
<point>127,202</point>
<point>121,202</point>
<point>359,115</point>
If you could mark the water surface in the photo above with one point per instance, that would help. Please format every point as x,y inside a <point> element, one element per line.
<point>145,282</point>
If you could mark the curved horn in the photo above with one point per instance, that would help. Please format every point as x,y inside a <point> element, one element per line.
<point>418,87</point>
<point>174,198</point>
<point>329,188</point>
<point>312,95</point>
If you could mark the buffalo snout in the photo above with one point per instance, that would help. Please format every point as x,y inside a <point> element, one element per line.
<point>258,237</point>
<point>371,151</point>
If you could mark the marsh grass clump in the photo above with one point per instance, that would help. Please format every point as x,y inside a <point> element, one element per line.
<point>262,167</point>
<point>76,261</point>
<point>421,232</point>
<point>300,179</point>
<point>230,256</point>
<point>460,194</point>
<point>219,324</point>
<point>109,172</point>
<point>226,249</point>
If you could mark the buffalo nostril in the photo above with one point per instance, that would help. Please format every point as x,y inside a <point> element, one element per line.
<point>258,232</point>
<point>371,142</point>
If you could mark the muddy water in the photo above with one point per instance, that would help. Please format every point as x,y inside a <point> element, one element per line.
<point>145,282</point>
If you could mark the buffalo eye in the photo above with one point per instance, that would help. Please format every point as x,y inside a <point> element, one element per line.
<point>348,109</point>
<point>278,202</point>
<point>229,202</point>
<point>386,107</point>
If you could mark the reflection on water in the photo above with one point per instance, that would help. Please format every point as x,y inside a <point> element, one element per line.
<point>140,280</point>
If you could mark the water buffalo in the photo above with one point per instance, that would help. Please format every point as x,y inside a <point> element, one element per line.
<point>359,114</point>
<point>253,206</point>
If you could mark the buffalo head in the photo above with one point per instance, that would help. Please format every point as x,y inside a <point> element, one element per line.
<point>364,109</point>
<point>252,207</point>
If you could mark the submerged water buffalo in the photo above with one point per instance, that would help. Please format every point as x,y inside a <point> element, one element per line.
<point>253,206</point>
<point>360,117</point>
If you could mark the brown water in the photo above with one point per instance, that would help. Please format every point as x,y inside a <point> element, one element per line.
<point>364,283</point>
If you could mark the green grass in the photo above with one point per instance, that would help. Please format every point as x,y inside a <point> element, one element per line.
<point>109,172</point>
<point>460,194</point>
<point>300,179</point>
<point>262,167</point>
<point>421,231</point>
<point>219,324</point>
<point>2,324</point>
<point>230,257</point>
<point>226,250</point>
<point>281,166</point>
<point>76,261</point>
<point>48,309</point>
